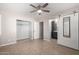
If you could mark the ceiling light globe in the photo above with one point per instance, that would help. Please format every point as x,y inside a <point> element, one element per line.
<point>39,11</point>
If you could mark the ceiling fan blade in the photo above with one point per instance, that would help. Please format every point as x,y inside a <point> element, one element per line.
<point>45,5</point>
<point>38,6</point>
<point>33,6</point>
<point>33,11</point>
<point>46,10</point>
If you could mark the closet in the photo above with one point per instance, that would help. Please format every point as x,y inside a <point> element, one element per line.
<point>24,29</point>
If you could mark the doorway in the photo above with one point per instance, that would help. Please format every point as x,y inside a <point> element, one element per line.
<point>41,25</point>
<point>53,30</point>
<point>23,30</point>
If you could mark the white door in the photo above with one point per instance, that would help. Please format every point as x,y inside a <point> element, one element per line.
<point>23,29</point>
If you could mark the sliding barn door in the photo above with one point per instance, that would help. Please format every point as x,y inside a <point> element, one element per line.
<point>23,29</point>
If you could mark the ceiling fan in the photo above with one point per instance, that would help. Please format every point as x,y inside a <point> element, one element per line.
<point>39,9</point>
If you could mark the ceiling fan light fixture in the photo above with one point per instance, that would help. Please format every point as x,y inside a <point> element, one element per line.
<point>39,8</point>
<point>39,11</point>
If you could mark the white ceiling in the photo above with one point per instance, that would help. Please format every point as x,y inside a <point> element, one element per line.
<point>24,8</point>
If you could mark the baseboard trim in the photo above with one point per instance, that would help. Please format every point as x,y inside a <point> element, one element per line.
<point>46,39</point>
<point>7,44</point>
<point>68,47</point>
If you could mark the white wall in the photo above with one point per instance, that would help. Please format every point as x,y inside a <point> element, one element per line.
<point>8,35</point>
<point>0,25</point>
<point>71,42</point>
<point>36,30</point>
<point>46,30</point>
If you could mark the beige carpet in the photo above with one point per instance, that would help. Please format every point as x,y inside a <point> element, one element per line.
<point>36,47</point>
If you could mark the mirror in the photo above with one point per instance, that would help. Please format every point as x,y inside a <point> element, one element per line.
<point>66,26</point>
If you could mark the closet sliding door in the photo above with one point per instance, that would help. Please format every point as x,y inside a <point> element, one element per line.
<point>23,29</point>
